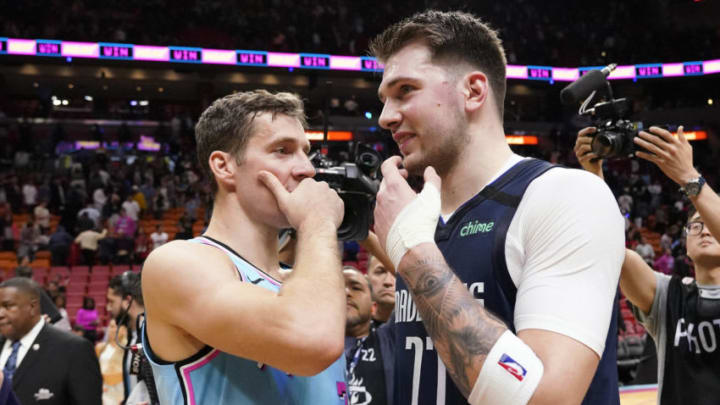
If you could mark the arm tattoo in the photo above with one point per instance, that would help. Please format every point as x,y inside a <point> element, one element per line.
<point>462,331</point>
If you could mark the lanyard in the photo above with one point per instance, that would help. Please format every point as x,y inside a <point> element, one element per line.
<point>356,357</point>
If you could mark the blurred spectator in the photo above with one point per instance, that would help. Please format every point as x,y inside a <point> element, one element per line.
<point>27,245</point>
<point>7,227</point>
<point>192,203</point>
<point>110,356</point>
<point>184,233</point>
<point>64,322</point>
<point>159,206</point>
<point>90,212</point>
<point>142,246</point>
<point>29,192</point>
<point>124,234</point>
<point>99,198</point>
<point>78,330</point>
<point>59,246</point>
<point>88,241</point>
<point>665,263</point>
<point>159,237</point>
<point>87,317</point>
<point>42,216</point>
<point>645,250</point>
<point>131,207</point>
<point>139,198</point>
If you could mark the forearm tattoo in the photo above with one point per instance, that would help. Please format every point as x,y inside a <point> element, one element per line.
<point>462,331</point>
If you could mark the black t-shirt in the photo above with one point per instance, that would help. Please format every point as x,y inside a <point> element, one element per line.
<point>365,372</point>
<point>692,355</point>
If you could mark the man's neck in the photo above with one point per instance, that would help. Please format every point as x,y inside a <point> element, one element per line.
<point>358,331</point>
<point>479,162</point>
<point>383,312</point>
<point>257,243</point>
<point>707,276</point>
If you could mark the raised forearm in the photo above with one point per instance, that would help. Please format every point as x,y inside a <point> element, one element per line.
<point>463,332</point>
<point>317,281</point>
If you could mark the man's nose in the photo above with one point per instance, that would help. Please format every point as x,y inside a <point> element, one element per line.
<point>390,116</point>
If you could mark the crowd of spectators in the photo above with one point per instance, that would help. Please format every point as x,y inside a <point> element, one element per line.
<point>559,33</point>
<point>99,206</point>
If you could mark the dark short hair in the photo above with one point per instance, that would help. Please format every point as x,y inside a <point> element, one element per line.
<point>128,284</point>
<point>228,123</point>
<point>363,276</point>
<point>451,36</point>
<point>24,285</point>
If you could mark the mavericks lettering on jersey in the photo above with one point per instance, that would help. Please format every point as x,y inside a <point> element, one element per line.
<point>406,311</point>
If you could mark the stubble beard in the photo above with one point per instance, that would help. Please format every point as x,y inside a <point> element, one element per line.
<point>445,156</point>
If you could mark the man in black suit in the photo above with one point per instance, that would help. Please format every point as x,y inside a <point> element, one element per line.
<point>46,365</point>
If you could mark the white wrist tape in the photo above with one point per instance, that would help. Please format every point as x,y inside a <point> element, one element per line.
<point>415,224</point>
<point>510,374</point>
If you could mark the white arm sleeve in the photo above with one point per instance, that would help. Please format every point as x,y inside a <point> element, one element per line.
<point>564,250</point>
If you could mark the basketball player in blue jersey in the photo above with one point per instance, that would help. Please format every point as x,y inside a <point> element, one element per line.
<point>509,266</point>
<point>222,326</point>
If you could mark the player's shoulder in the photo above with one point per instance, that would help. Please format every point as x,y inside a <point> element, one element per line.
<point>561,176</point>
<point>179,256</point>
<point>569,184</point>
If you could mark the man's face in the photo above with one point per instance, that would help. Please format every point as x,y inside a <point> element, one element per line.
<point>359,302</point>
<point>114,304</point>
<point>19,312</point>
<point>423,108</point>
<point>703,246</point>
<point>278,145</point>
<point>383,283</point>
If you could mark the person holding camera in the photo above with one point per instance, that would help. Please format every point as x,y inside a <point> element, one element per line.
<point>682,315</point>
<point>509,299</point>
<point>222,325</point>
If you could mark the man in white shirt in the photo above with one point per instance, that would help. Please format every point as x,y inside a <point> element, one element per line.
<point>131,207</point>
<point>158,237</point>
<point>29,194</point>
<point>44,363</point>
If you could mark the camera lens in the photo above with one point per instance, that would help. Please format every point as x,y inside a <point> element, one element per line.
<point>603,144</point>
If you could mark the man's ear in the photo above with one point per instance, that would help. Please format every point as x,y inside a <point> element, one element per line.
<point>223,166</point>
<point>476,90</point>
<point>373,309</point>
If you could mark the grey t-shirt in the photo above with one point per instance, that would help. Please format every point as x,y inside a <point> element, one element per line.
<point>656,321</point>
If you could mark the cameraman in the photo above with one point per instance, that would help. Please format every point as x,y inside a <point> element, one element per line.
<point>125,305</point>
<point>682,316</point>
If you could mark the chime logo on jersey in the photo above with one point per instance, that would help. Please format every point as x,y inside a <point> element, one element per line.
<point>512,367</point>
<point>473,227</point>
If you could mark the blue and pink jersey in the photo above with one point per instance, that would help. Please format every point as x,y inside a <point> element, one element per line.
<point>214,377</point>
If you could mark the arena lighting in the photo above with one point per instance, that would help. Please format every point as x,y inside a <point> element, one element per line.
<point>521,139</point>
<point>693,135</point>
<point>332,135</point>
<point>238,57</point>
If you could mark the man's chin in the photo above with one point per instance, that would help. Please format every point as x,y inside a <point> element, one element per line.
<point>414,165</point>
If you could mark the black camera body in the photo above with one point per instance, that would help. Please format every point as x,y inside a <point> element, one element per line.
<point>615,133</point>
<point>356,184</point>
<point>614,136</point>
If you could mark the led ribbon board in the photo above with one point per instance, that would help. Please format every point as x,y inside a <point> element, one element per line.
<point>238,57</point>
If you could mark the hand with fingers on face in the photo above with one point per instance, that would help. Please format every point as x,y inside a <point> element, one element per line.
<point>583,151</point>
<point>674,156</point>
<point>310,204</point>
<point>403,218</point>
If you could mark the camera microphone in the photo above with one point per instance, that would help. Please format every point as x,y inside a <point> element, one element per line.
<point>586,84</point>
